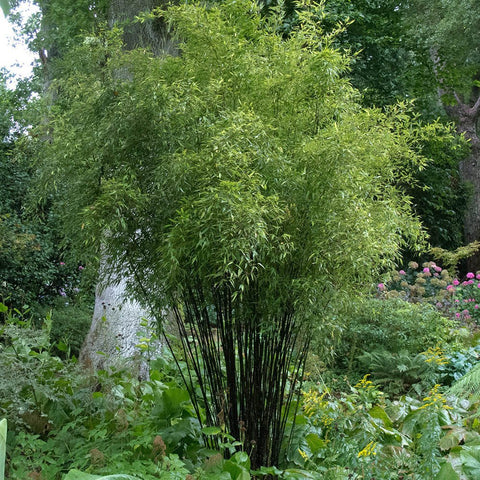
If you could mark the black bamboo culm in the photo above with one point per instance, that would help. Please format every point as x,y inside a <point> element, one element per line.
<point>247,364</point>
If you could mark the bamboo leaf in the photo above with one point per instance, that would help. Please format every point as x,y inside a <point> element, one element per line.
<point>78,475</point>
<point>3,447</point>
<point>5,6</point>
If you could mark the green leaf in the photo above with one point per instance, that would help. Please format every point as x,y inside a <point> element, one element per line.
<point>447,473</point>
<point>211,430</point>
<point>242,459</point>
<point>236,471</point>
<point>471,461</point>
<point>379,412</point>
<point>3,308</point>
<point>315,443</point>
<point>452,438</point>
<point>5,6</point>
<point>3,446</point>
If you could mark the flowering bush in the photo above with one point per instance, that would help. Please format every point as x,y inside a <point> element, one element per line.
<point>364,434</point>
<point>465,298</point>
<point>432,284</point>
<point>416,284</point>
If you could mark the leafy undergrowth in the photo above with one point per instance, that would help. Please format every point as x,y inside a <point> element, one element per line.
<point>67,425</point>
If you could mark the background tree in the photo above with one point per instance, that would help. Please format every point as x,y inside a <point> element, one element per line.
<point>391,64</point>
<point>446,34</point>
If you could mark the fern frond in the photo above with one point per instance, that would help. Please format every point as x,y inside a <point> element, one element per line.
<point>468,385</point>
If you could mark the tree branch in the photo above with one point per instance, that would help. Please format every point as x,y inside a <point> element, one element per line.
<point>475,110</point>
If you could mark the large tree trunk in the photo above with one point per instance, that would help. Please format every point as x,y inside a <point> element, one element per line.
<point>120,334</point>
<point>153,34</point>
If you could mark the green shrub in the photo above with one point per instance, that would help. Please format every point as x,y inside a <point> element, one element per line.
<point>392,324</point>
<point>70,324</point>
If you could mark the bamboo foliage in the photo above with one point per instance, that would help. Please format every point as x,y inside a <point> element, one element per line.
<point>241,185</point>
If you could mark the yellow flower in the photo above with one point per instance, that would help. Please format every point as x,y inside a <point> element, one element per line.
<point>435,399</point>
<point>368,450</point>
<point>364,384</point>
<point>312,401</point>
<point>435,355</point>
<point>303,454</point>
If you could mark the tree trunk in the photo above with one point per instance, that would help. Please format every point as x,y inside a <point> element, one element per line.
<point>120,334</point>
<point>151,34</point>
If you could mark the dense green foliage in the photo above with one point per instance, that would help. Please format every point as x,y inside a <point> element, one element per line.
<point>64,420</point>
<point>244,185</point>
<point>394,325</point>
<point>238,184</point>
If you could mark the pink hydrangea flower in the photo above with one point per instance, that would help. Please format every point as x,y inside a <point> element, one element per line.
<point>62,263</point>
<point>450,288</point>
<point>81,268</point>
<point>381,287</point>
<point>470,275</point>
<point>476,307</point>
<point>402,272</point>
<point>456,282</point>
<point>426,270</point>
<point>437,268</point>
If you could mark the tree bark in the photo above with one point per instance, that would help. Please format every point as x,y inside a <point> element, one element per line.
<point>153,35</point>
<point>118,324</point>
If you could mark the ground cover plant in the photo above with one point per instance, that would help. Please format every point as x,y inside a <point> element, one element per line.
<point>65,424</point>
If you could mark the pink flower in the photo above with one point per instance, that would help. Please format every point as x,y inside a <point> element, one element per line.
<point>457,315</point>
<point>437,268</point>
<point>450,288</point>
<point>456,282</point>
<point>381,287</point>
<point>478,276</point>
<point>465,312</point>
<point>402,272</point>
<point>426,270</point>
<point>476,307</point>
<point>470,275</point>
<point>62,263</point>
<point>470,282</point>
<point>81,268</point>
